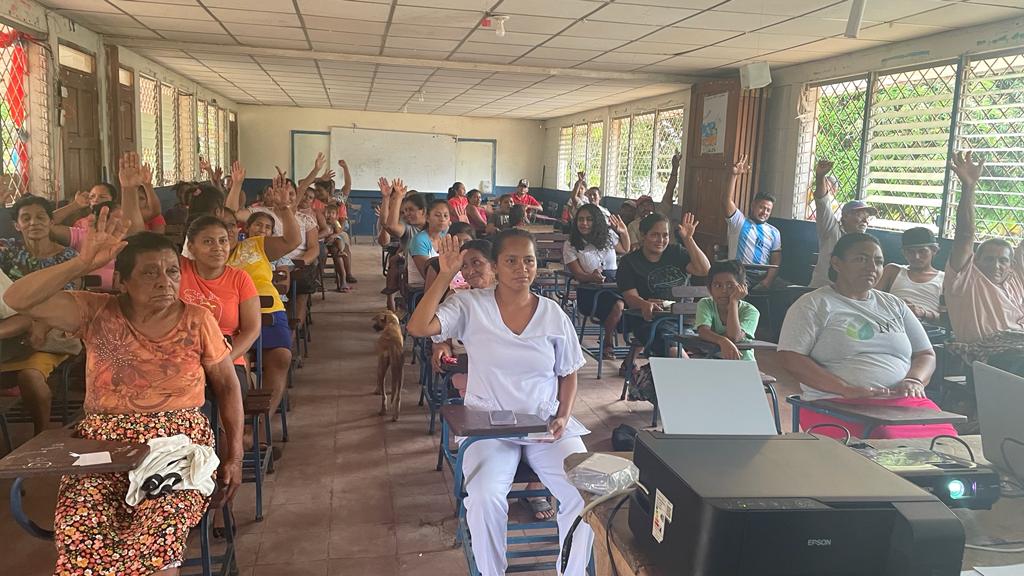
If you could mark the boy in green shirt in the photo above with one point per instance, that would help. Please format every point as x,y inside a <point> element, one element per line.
<point>725,318</point>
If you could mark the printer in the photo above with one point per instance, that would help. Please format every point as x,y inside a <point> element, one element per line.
<point>793,505</point>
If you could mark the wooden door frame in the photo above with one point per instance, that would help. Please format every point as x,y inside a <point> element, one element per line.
<point>69,194</point>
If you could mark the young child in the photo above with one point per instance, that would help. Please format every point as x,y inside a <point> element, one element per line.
<point>339,247</point>
<point>498,220</point>
<point>725,318</point>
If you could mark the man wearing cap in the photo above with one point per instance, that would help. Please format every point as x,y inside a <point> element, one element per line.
<point>522,196</point>
<point>919,284</point>
<point>645,205</point>
<point>984,288</point>
<point>752,240</point>
<point>855,216</point>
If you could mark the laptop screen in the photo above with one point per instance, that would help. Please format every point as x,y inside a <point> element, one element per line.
<point>1000,396</point>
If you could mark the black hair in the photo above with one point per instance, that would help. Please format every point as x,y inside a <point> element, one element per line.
<point>517,215</point>
<point>206,200</point>
<point>325,185</point>
<point>504,196</point>
<point>202,223</point>
<point>140,243</point>
<point>461,228</point>
<point>505,235</point>
<point>453,191</point>
<point>482,246</point>
<point>598,235</point>
<point>648,222</point>
<point>474,191</point>
<point>734,267</point>
<point>30,200</point>
<point>257,215</point>
<point>110,205</point>
<point>994,242</point>
<point>845,244</point>
<point>764,196</point>
<point>115,194</point>
<point>437,202</point>
<point>418,200</point>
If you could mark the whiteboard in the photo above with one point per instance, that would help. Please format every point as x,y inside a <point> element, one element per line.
<point>474,165</point>
<point>305,147</point>
<point>425,161</point>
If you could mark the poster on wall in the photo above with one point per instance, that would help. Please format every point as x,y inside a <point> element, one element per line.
<point>712,126</point>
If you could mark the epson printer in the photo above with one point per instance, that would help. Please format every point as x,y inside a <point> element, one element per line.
<point>792,505</point>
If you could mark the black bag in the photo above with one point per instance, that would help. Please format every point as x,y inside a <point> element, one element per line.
<point>623,438</point>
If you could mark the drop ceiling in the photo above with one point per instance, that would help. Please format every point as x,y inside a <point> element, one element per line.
<point>557,56</point>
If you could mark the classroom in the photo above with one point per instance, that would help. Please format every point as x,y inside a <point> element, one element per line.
<point>444,287</point>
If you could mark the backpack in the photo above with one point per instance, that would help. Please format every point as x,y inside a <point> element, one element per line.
<point>623,438</point>
<point>641,385</point>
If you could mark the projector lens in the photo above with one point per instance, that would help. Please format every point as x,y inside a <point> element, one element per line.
<point>957,490</point>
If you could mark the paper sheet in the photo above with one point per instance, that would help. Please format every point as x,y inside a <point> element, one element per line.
<point>604,463</point>
<point>1013,570</point>
<point>92,459</point>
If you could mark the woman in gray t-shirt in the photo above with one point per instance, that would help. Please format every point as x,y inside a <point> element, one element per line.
<point>851,343</point>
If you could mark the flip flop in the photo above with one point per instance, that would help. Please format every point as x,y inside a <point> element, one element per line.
<point>538,505</point>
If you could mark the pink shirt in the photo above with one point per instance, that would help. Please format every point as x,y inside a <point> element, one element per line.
<point>977,307</point>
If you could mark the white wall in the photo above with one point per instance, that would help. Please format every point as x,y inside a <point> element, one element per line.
<point>606,114</point>
<point>778,174</point>
<point>42,23</point>
<point>265,139</point>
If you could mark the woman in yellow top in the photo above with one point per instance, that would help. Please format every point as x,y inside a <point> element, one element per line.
<point>253,255</point>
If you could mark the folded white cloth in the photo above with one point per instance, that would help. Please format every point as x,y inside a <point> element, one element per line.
<point>174,463</point>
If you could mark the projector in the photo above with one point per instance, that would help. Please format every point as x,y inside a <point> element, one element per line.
<point>791,505</point>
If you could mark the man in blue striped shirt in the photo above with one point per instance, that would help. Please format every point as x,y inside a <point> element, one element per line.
<point>752,240</point>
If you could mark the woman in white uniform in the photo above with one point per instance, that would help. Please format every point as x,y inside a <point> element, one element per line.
<point>523,356</point>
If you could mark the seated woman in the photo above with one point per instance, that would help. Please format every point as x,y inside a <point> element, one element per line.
<point>339,246</point>
<point>919,284</point>
<point>527,357</point>
<point>76,213</point>
<point>590,255</point>
<point>725,318</point>
<point>19,257</point>
<point>647,276</point>
<point>476,212</point>
<point>149,357</point>
<point>423,245</point>
<point>851,343</point>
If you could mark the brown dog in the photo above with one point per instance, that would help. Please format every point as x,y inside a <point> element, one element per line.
<point>390,358</point>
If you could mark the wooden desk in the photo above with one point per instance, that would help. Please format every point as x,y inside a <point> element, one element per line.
<point>871,415</point>
<point>50,454</point>
<point>468,422</point>
<point>1002,522</point>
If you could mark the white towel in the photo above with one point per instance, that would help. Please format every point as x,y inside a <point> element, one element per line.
<point>174,455</point>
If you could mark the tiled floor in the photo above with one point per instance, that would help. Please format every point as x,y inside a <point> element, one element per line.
<point>354,494</point>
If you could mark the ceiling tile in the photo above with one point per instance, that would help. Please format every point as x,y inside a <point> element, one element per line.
<point>962,15</point>
<point>256,17</point>
<point>641,14</point>
<point>584,43</point>
<point>92,19</point>
<point>338,48</point>
<point>839,45</point>
<point>564,53</point>
<point>685,35</point>
<point>547,62</point>
<point>781,7</point>
<point>264,5</point>
<point>660,48</point>
<point>492,49</point>
<point>627,58</point>
<point>894,31</point>
<point>821,26</point>
<point>263,42</point>
<point>739,21</point>
<point>510,38</point>
<point>437,32</point>
<point>345,38</point>
<point>724,52</point>
<point>197,37</point>
<point>421,44</point>
<point>345,9</point>
<point>436,17</point>
<point>486,58</point>
<point>182,25</point>
<point>768,41</point>
<point>883,11</point>
<point>559,9</point>
<point>83,5</point>
<point>257,30</point>
<point>612,30</point>
<point>687,64</point>
<point>192,12</point>
<point>537,24</point>
<point>423,54</point>
<point>344,25</point>
<point>125,31</point>
<point>610,66</point>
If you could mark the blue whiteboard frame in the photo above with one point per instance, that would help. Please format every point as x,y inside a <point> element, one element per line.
<point>494,158</point>
<point>291,167</point>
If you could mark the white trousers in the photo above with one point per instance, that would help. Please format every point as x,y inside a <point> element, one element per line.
<point>489,467</point>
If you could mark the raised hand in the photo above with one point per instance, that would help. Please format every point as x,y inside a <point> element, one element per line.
<point>822,168</point>
<point>147,175</point>
<point>385,188</point>
<point>237,173</point>
<point>688,226</point>
<point>966,169</point>
<point>129,172</point>
<point>581,175</point>
<point>342,164</point>
<point>676,159</point>
<point>320,162</point>
<point>399,187</point>
<point>329,175</point>
<point>218,176</point>
<point>204,166</point>
<point>740,167</point>
<point>449,254</point>
<point>82,199</point>
<point>460,214</point>
<point>617,224</point>
<point>103,241</point>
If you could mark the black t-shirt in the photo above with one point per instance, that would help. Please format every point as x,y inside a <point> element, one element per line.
<point>654,280</point>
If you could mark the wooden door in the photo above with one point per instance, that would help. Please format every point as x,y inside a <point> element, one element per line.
<point>120,110</point>
<point>708,163</point>
<point>80,130</point>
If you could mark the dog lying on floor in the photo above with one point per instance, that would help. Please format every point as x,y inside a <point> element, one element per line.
<point>390,361</point>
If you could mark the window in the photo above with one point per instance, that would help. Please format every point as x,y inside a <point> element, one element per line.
<point>125,77</point>
<point>580,149</point>
<point>186,138</point>
<point>908,119</point>
<point>640,149</point>
<point>169,134</point>
<point>992,122</point>
<point>14,112</point>
<point>214,138</point>
<point>201,134</point>
<point>908,138</point>
<point>75,59</point>
<point>670,132</point>
<point>149,124</point>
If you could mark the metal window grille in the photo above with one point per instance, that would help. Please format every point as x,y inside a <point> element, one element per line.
<point>186,138</point>
<point>14,112</point>
<point>834,130</point>
<point>595,152</point>
<point>991,122</point>
<point>169,133</point>
<point>149,124</point>
<point>579,150</point>
<point>617,166</point>
<point>641,155</point>
<point>669,136</point>
<point>222,132</point>
<point>564,156</point>
<point>42,161</point>
<point>908,141</point>
<point>201,134</point>
<point>213,137</point>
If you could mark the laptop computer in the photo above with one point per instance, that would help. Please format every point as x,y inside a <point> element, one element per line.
<point>709,397</point>
<point>1000,396</point>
